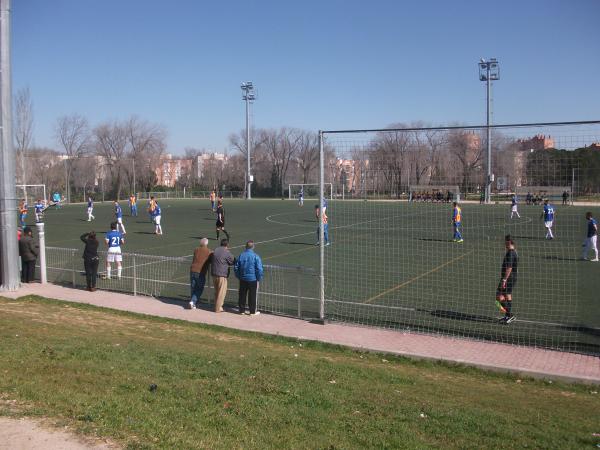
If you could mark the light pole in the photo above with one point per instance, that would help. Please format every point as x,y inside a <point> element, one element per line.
<point>248,96</point>
<point>489,71</point>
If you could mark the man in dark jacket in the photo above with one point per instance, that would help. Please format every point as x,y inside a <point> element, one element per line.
<point>222,260</point>
<point>28,251</point>
<point>249,270</point>
<point>90,259</point>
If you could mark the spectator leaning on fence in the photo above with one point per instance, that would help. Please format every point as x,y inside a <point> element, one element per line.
<point>90,259</point>
<point>221,261</point>
<point>248,269</point>
<point>200,263</point>
<point>28,251</point>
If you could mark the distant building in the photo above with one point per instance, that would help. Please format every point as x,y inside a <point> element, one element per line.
<point>170,170</point>
<point>537,142</point>
<point>594,146</point>
<point>207,161</point>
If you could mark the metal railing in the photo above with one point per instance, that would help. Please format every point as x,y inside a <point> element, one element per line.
<point>285,290</point>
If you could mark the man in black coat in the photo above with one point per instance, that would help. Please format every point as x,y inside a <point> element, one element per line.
<point>28,251</point>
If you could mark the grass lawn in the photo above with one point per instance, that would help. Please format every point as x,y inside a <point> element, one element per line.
<point>217,388</point>
<point>391,264</point>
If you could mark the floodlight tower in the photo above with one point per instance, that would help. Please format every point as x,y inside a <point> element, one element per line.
<point>248,96</point>
<point>489,71</point>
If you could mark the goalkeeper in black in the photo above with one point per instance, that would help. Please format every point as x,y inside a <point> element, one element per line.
<point>508,280</point>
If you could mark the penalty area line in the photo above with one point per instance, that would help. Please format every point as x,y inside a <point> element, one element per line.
<point>407,282</point>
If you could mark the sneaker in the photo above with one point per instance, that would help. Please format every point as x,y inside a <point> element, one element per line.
<point>460,240</point>
<point>327,244</point>
<point>510,319</point>
<point>594,260</point>
<point>257,313</point>
<point>191,305</point>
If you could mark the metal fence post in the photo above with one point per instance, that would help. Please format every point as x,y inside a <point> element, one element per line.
<point>299,291</point>
<point>321,233</point>
<point>134,277</point>
<point>73,267</point>
<point>42,243</point>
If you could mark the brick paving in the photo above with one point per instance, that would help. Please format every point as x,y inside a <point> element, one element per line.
<point>539,363</point>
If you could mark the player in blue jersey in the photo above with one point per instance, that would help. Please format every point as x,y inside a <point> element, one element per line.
<point>119,216</point>
<point>514,208</point>
<point>114,239</point>
<point>324,205</point>
<point>301,197</point>
<point>39,210</point>
<point>548,216</point>
<point>156,214</point>
<point>90,209</point>
<point>591,239</point>
<point>457,222</point>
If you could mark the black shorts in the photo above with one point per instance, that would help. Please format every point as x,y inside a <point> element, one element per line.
<point>510,284</point>
<point>220,224</point>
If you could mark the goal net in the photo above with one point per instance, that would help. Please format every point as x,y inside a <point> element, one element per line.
<point>31,193</point>
<point>310,191</point>
<point>401,265</point>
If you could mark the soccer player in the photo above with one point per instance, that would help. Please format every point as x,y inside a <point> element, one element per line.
<point>39,210</point>
<point>133,205</point>
<point>548,216</point>
<point>301,197</point>
<point>456,222</point>
<point>114,239</point>
<point>325,226</point>
<point>119,216</point>
<point>213,199</point>
<point>151,206</point>
<point>156,214</point>
<point>324,205</point>
<point>591,239</point>
<point>508,279</point>
<point>221,220</point>
<point>90,209</point>
<point>56,199</point>
<point>23,212</point>
<point>514,208</point>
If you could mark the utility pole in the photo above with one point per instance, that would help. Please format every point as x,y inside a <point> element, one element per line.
<point>9,252</point>
<point>248,96</point>
<point>489,71</point>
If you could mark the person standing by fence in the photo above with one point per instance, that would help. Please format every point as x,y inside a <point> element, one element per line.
<point>248,269</point>
<point>28,251</point>
<point>222,260</point>
<point>198,269</point>
<point>90,259</point>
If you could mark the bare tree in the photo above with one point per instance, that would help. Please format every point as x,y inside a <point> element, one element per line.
<point>308,154</point>
<point>111,144</point>
<point>23,128</point>
<point>468,153</point>
<point>73,134</point>
<point>146,142</point>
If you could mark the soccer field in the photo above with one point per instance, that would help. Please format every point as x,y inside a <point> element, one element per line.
<point>391,264</point>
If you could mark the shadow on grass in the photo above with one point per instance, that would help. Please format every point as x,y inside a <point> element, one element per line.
<point>144,232</point>
<point>455,315</point>
<point>299,243</point>
<point>434,240</point>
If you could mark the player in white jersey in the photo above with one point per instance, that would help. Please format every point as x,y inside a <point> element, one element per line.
<point>301,197</point>
<point>114,239</point>
<point>39,210</point>
<point>90,209</point>
<point>514,208</point>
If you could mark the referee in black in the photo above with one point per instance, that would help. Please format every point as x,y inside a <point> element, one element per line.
<point>508,280</point>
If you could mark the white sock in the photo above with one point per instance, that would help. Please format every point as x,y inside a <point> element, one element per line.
<point>108,272</point>
<point>119,269</point>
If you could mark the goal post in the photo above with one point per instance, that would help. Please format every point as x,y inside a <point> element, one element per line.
<point>311,190</point>
<point>433,192</point>
<point>31,192</point>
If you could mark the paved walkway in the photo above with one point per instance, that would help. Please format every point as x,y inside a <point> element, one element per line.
<point>502,357</point>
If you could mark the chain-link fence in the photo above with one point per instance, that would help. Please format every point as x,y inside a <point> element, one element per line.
<point>396,260</point>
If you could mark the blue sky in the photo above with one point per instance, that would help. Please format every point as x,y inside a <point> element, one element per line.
<point>328,64</point>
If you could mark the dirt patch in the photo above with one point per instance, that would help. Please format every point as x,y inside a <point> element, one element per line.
<point>33,434</point>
